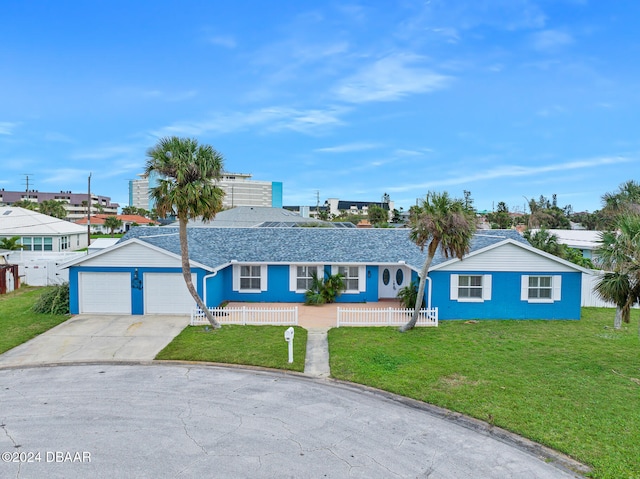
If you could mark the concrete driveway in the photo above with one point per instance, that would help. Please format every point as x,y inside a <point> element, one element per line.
<point>98,338</point>
<point>186,420</point>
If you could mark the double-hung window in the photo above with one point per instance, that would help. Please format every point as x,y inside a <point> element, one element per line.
<point>470,287</point>
<point>541,288</point>
<point>301,276</point>
<point>249,278</point>
<point>351,277</point>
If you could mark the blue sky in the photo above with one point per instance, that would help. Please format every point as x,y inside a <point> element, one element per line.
<point>508,99</point>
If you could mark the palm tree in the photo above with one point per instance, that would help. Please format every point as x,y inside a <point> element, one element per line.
<point>619,253</point>
<point>113,223</point>
<point>53,208</point>
<point>439,222</point>
<point>186,190</point>
<point>26,204</point>
<point>11,244</point>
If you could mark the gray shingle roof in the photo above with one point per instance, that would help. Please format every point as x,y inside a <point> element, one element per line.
<point>217,246</point>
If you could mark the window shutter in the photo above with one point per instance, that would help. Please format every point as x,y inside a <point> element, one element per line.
<point>486,287</point>
<point>293,277</point>
<point>524,288</point>
<point>453,290</point>
<point>263,277</point>
<point>236,277</point>
<point>362,279</point>
<point>557,287</point>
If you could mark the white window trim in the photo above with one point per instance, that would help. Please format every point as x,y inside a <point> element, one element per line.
<point>362,277</point>
<point>556,288</point>
<point>293,276</point>
<point>486,289</point>
<point>236,278</point>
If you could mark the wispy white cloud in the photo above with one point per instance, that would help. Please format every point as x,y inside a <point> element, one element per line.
<point>7,127</point>
<point>389,79</point>
<point>226,41</point>
<point>511,171</point>
<point>552,110</point>
<point>58,137</point>
<point>105,152</point>
<point>273,119</point>
<point>348,148</point>
<point>134,93</point>
<point>550,40</point>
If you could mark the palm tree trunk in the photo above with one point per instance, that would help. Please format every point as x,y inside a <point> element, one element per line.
<point>186,273</point>
<point>617,322</point>
<point>420,298</point>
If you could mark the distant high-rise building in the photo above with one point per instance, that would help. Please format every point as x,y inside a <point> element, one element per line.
<point>239,188</point>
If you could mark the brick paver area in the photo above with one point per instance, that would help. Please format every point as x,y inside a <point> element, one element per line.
<point>321,316</point>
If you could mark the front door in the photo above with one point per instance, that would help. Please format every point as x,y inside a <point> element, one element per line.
<point>391,279</point>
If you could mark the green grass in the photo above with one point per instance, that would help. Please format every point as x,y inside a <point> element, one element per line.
<point>249,345</point>
<point>18,323</point>
<point>571,385</point>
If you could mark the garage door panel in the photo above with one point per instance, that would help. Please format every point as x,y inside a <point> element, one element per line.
<point>105,293</point>
<point>166,293</point>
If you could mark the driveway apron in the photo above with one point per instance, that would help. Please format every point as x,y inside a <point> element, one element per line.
<point>98,338</point>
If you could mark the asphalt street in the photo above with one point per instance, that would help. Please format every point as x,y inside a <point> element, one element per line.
<point>160,420</point>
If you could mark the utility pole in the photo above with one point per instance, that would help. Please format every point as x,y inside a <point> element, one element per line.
<point>27,181</point>
<point>89,211</point>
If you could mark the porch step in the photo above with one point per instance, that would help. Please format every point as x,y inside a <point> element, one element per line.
<point>317,360</point>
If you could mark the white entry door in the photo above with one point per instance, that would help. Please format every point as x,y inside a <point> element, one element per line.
<point>391,279</point>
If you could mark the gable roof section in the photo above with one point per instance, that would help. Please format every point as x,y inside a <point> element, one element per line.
<point>133,252</point>
<point>23,222</point>
<point>509,255</point>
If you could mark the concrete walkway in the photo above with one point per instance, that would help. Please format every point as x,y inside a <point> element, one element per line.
<point>317,320</point>
<point>187,420</point>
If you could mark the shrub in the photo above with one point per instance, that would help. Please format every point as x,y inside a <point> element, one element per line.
<point>53,300</point>
<point>409,294</point>
<point>324,291</point>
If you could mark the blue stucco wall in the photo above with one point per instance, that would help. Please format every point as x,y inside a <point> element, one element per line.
<point>137,295</point>
<point>505,300</point>
<point>220,288</point>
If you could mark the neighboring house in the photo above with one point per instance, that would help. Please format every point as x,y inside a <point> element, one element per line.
<point>40,232</point>
<point>97,223</point>
<point>586,241</point>
<point>502,277</point>
<point>256,216</point>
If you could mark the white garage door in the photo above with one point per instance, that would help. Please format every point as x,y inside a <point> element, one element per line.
<point>166,293</point>
<point>105,293</point>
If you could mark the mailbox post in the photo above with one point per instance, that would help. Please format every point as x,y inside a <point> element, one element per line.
<point>288,337</point>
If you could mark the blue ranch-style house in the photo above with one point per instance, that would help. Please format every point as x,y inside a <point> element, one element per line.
<point>502,277</point>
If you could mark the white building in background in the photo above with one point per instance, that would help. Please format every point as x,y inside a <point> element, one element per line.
<point>139,192</point>
<point>239,188</point>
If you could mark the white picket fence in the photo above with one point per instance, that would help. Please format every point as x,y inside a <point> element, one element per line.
<point>248,315</point>
<point>384,317</point>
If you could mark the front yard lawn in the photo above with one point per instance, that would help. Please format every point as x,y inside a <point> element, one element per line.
<point>250,345</point>
<point>18,323</point>
<point>571,385</point>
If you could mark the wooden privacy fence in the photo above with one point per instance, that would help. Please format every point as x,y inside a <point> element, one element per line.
<point>248,315</point>
<point>384,317</point>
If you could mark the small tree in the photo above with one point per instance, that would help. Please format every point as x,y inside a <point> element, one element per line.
<point>112,223</point>
<point>377,215</point>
